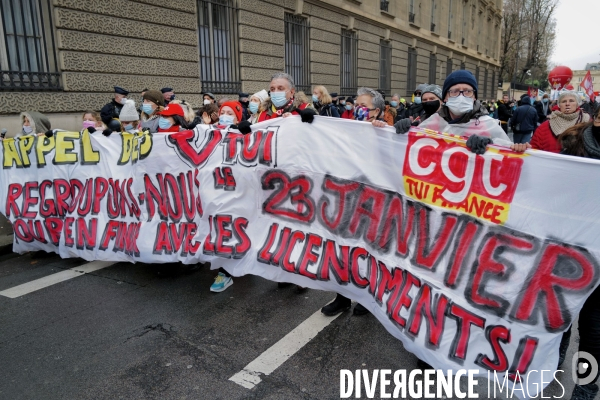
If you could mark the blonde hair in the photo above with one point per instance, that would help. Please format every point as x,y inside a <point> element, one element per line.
<point>94,115</point>
<point>189,112</point>
<point>325,96</point>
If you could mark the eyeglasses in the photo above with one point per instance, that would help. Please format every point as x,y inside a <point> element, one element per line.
<point>457,92</point>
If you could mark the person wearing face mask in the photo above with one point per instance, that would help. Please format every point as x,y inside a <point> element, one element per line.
<point>341,106</point>
<point>172,119</point>
<point>348,109</point>
<point>369,105</point>
<point>415,110</point>
<point>153,103</point>
<point>282,101</point>
<point>33,123</point>
<point>569,114</point>
<point>113,109</point>
<point>255,106</point>
<point>208,98</point>
<point>463,115</point>
<point>323,103</point>
<point>129,117</point>
<point>401,110</point>
<point>523,121</point>
<point>91,119</point>
<point>431,96</point>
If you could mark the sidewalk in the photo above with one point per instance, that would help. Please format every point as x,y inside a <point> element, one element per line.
<point>6,236</point>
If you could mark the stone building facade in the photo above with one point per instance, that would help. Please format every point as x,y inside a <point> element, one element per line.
<point>64,56</point>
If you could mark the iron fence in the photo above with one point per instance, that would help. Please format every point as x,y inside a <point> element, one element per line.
<point>348,63</point>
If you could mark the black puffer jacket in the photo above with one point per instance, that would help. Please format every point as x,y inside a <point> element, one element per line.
<point>109,111</point>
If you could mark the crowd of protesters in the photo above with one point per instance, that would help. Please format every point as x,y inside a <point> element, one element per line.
<point>567,125</point>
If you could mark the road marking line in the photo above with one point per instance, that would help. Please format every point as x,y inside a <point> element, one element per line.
<point>53,279</point>
<point>277,354</point>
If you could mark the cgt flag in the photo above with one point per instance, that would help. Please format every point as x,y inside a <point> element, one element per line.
<point>476,262</point>
<point>587,85</point>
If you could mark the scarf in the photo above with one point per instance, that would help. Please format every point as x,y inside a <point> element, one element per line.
<point>590,143</point>
<point>560,122</point>
<point>280,111</point>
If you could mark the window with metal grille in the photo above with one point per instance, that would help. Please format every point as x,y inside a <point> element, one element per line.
<point>384,5</point>
<point>385,66</point>
<point>449,66</point>
<point>432,68</point>
<point>450,19</point>
<point>27,48</point>
<point>297,52</point>
<point>219,51</point>
<point>485,83</point>
<point>411,11</point>
<point>465,27</point>
<point>411,75</point>
<point>348,63</point>
<point>433,15</point>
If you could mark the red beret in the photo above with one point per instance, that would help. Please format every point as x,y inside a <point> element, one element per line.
<point>172,109</point>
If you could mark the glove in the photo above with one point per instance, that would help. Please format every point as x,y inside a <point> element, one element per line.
<point>416,122</point>
<point>477,144</point>
<point>91,129</point>
<point>243,127</point>
<point>114,125</point>
<point>107,132</point>
<point>307,115</point>
<point>49,133</point>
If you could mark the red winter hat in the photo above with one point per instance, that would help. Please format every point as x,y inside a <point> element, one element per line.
<point>172,109</point>
<point>236,106</point>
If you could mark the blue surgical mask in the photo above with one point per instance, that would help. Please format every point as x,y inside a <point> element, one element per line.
<point>128,127</point>
<point>164,123</point>
<point>343,102</point>
<point>348,107</point>
<point>531,100</point>
<point>278,99</point>
<point>315,99</point>
<point>147,108</point>
<point>27,129</point>
<point>394,103</point>
<point>545,100</point>
<point>253,107</point>
<point>417,100</point>
<point>225,120</point>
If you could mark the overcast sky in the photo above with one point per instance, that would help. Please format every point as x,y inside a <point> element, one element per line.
<point>578,33</point>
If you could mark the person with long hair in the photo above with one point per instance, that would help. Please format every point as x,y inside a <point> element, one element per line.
<point>323,103</point>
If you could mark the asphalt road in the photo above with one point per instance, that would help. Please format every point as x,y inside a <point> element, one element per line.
<point>136,331</point>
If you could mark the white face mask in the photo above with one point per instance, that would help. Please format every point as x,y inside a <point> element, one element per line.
<point>207,101</point>
<point>460,105</point>
<point>124,100</point>
<point>27,129</point>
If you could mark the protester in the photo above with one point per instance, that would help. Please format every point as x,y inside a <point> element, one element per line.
<point>416,109</point>
<point>568,115</point>
<point>504,112</point>
<point>543,109</point>
<point>523,121</point>
<point>348,109</point>
<point>255,105</point>
<point>172,119</point>
<point>91,119</point>
<point>431,102</point>
<point>209,114</point>
<point>243,99</point>
<point>282,102</point>
<point>389,114</point>
<point>369,107</point>
<point>190,117</point>
<point>153,103</point>
<point>341,106</point>
<point>400,105</point>
<point>34,123</point>
<point>208,98</point>
<point>168,94</point>
<point>583,140</point>
<point>113,109</point>
<point>129,117</point>
<point>323,103</point>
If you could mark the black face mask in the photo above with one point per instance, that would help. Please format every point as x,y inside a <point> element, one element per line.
<point>430,107</point>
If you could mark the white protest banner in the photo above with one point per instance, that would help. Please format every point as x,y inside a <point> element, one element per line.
<point>473,261</point>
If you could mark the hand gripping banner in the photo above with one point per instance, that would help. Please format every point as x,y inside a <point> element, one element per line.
<point>473,261</point>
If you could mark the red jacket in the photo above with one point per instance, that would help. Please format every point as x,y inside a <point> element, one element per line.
<point>348,114</point>
<point>544,139</point>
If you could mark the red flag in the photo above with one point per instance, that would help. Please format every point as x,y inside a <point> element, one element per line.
<point>587,85</point>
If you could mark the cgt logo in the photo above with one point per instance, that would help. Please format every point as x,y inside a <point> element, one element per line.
<point>446,174</point>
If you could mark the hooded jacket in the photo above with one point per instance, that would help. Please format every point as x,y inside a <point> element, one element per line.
<point>38,121</point>
<point>525,116</point>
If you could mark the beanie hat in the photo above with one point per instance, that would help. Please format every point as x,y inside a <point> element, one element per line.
<point>209,94</point>
<point>459,76</point>
<point>128,112</point>
<point>421,87</point>
<point>172,109</point>
<point>154,96</point>
<point>262,95</point>
<point>435,89</point>
<point>236,106</point>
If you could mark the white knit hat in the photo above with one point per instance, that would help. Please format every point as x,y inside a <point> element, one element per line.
<point>262,95</point>
<point>128,112</point>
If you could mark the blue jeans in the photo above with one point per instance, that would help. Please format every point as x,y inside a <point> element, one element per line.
<point>522,137</point>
